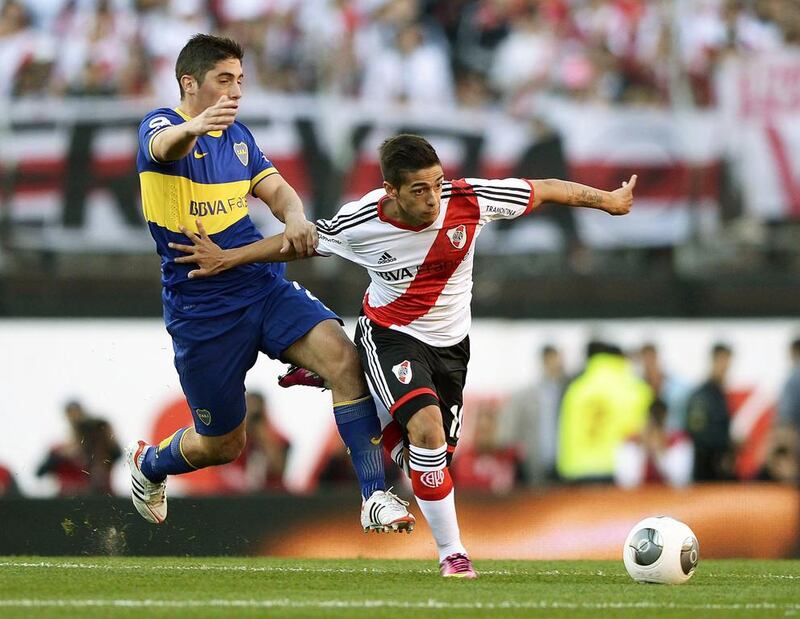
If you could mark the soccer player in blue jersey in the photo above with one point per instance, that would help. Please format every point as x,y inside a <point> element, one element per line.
<point>196,162</point>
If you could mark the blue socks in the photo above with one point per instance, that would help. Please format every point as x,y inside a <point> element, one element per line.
<point>166,458</point>
<point>360,430</point>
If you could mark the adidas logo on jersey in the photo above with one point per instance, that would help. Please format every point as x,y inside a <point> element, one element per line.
<point>386,258</point>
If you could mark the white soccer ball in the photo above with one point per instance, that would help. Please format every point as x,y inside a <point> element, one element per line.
<point>662,550</point>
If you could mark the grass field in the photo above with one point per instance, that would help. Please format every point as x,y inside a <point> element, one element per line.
<point>249,587</point>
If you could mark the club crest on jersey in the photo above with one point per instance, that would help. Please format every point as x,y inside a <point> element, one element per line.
<point>458,236</point>
<point>432,479</point>
<point>403,372</point>
<point>240,148</point>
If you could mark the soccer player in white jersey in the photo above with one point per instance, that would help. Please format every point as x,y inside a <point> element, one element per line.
<point>416,238</point>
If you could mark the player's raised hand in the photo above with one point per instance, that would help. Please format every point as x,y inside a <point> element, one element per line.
<point>216,117</point>
<point>622,198</point>
<point>205,253</point>
<point>300,235</point>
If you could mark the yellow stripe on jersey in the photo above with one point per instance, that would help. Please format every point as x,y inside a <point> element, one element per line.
<point>171,201</point>
<point>150,144</point>
<point>260,175</point>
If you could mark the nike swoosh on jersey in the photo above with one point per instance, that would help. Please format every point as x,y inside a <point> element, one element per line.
<point>376,441</point>
<point>199,155</point>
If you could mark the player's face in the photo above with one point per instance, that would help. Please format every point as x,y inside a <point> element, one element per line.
<point>419,197</point>
<point>224,79</point>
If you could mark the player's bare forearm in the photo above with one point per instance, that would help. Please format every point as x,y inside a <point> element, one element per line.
<point>211,259</point>
<point>617,202</point>
<point>299,234</point>
<point>177,142</point>
<point>284,201</point>
<point>265,250</point>
<point>173,143</point>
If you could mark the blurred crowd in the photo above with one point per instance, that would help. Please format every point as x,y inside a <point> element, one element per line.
<point>622,419</point>
<point>625,419</point>
<point>472,53</point>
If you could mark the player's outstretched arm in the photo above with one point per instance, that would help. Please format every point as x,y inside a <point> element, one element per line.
<point>281,198</point>
<point>211,259</point>
<point>617,202</point>
<point>178,141</point>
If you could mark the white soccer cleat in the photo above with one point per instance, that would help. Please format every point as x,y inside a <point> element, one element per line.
<point>149,498</point>
<point>384,511</point>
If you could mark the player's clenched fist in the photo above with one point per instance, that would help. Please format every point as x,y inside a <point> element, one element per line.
<point>217,117</point>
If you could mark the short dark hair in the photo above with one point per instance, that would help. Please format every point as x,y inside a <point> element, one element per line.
<point>721,348</point>
<point>201,53</point>
<point>403,154</point>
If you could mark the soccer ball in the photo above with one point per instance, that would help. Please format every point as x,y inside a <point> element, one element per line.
<point>662,550</point>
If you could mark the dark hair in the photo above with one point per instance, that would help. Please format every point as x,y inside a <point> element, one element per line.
<point>658,411</point>
<point>403,154</point>
<point>721,348</point>
<point>201,53</point>
<point>548,349</point>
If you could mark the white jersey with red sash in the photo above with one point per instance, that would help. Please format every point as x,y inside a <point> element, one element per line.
<point>421,278</point>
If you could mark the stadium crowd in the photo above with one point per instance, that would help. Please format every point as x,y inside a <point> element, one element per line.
<point>471,53</point>
<point>623,418</point>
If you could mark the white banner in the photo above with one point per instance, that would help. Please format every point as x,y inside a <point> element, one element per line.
<point>74,187</point>
<point>760,98</point>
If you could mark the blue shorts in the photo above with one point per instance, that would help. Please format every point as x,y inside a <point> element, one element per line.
<point>213,355</point>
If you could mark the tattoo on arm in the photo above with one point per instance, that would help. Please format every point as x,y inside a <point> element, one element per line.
<point>582,196</point>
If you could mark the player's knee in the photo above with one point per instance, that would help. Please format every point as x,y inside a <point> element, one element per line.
<point>344,368</point>
<point>425,428</point>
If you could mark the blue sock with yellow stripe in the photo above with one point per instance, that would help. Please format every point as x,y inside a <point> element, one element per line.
<point>166,458</point>
<point>360,430</point>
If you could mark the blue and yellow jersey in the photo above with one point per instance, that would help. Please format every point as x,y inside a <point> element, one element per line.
<point>210,184</point>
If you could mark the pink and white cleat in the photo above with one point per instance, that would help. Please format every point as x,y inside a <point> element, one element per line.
<point>457,565</point>
<point>296,375</point>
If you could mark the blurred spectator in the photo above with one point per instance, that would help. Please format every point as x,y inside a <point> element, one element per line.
<point>95,48</point>
<point>524,58</point>
<point>545,158</point>
<point>413,70</point>
<point>529,420</point>
<point>657,455</point>
<point>606,50</point>
<point>789,404</point>
<point>82,464</point>
<point>17,42</point>
<point>783,456</point>
<point>708,421</point>
<point>670,389</point>
<point>8,485</point>
<point>603,406</point>
<point>263,459</point>
<point>485,463</point>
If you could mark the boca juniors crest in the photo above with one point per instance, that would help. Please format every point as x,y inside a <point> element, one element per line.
<point>458,236</point>
<point>403,372</point>
<point>240,148</point>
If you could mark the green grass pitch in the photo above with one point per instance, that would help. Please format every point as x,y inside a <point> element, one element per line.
<point>251,587</point>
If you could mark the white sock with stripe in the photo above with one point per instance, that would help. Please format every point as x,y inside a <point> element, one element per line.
<point>433,489</point>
